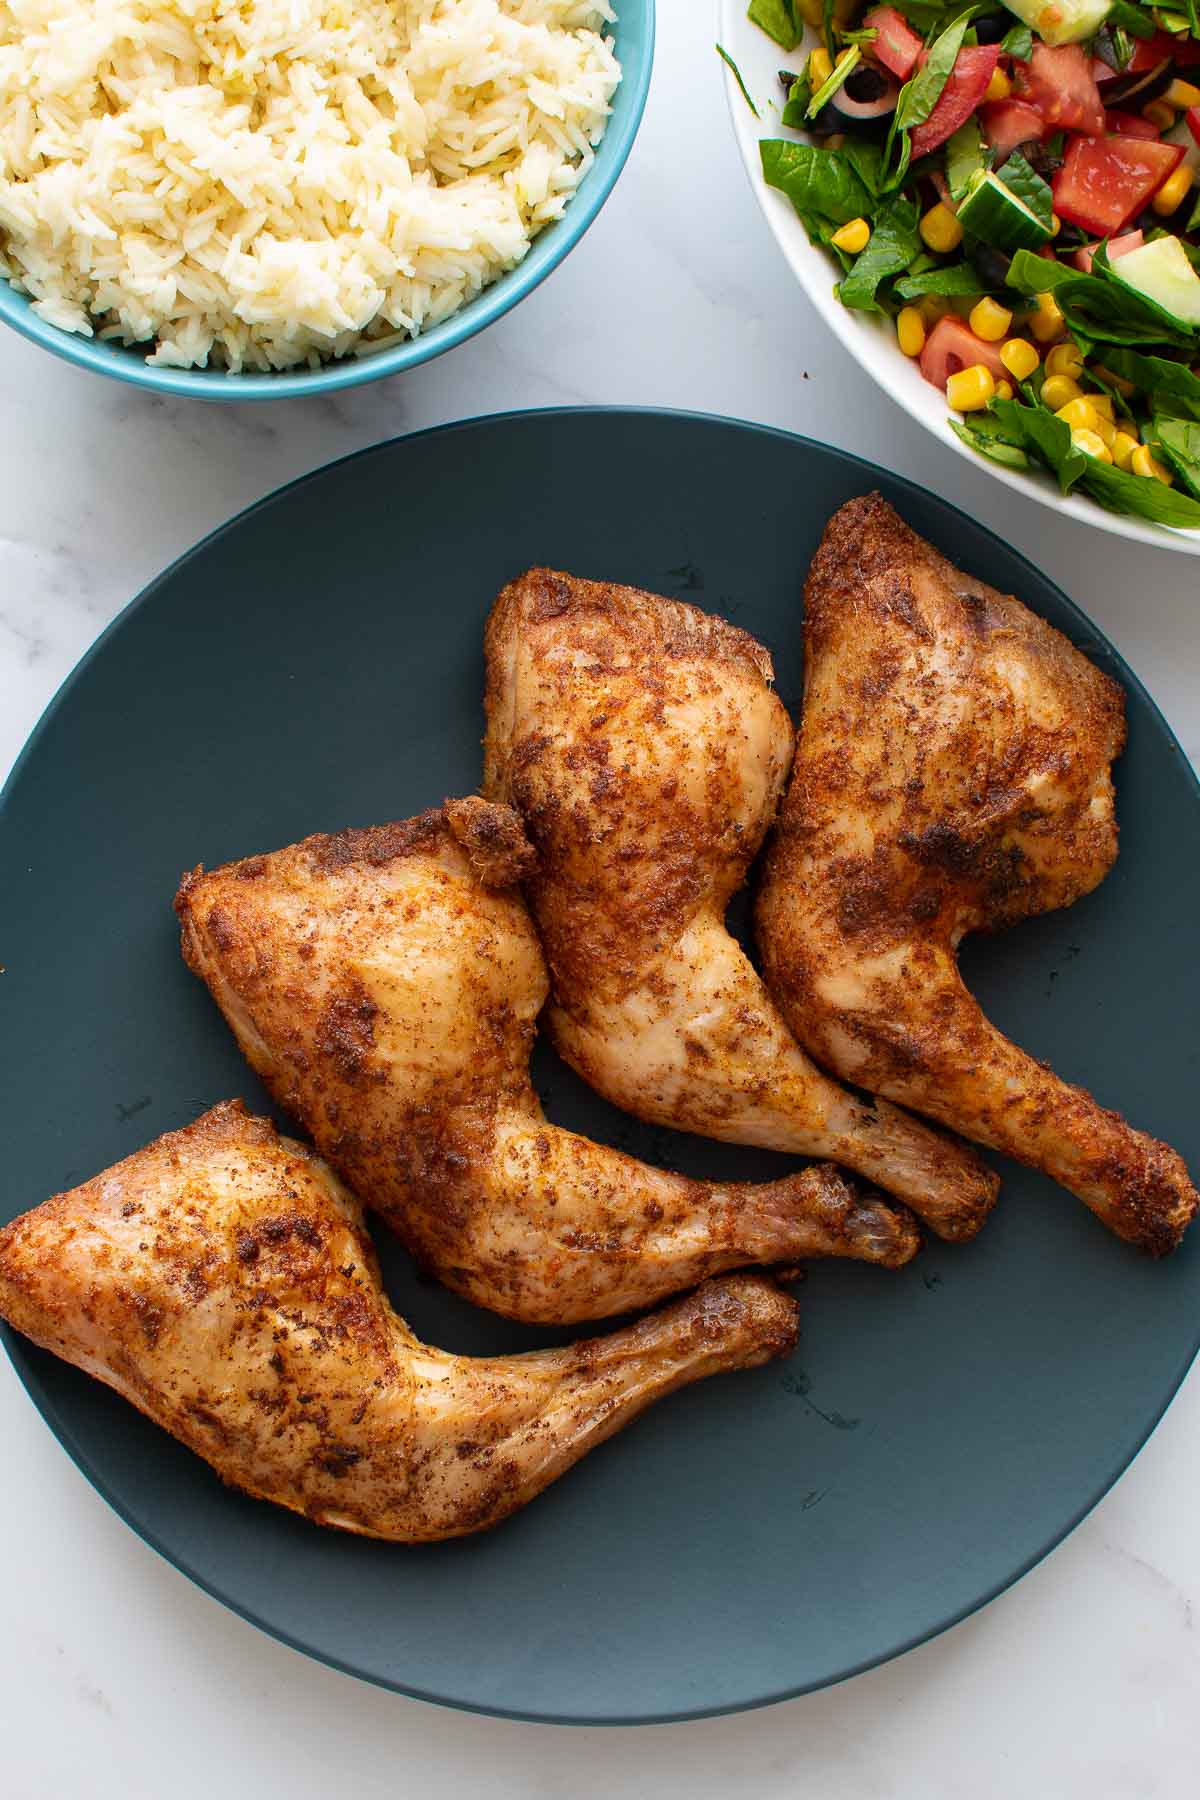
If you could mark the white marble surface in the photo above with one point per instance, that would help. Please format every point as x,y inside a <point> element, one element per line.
<point>119,1680</point>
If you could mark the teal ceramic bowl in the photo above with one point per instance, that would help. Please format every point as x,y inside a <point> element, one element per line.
<point>634,35</point>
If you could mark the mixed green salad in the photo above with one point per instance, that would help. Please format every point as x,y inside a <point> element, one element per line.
<point>1014,185</point>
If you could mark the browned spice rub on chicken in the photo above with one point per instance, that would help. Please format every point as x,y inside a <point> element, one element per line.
<point>385,984</point>
<point>952,774</point>
<point>644,746</point>
<point>222,1280</point>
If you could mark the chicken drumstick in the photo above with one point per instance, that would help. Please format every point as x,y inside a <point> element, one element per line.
<point>222,1280</point>
<point>385,985</point>
<point>952,774</point>
<point>642,743</point>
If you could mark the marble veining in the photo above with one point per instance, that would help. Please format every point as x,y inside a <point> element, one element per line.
<point>118,1679</point>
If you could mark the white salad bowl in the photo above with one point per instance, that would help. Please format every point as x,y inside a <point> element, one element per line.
<point>869,337</point>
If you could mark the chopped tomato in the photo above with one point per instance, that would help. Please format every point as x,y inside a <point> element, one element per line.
<point>1132,240</point>
<point>1164,46</point>
<point>1104,181</point>
<point>1193,122</point>
<point>952,346</point>
<point>1061,85</point>
<point>1007,123</point>
<point>897,47</point>
<point>962,93</point>
<point>1131,125</point>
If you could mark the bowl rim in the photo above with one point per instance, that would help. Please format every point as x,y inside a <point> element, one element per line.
<point>545,253</point>
<point>860,333</point>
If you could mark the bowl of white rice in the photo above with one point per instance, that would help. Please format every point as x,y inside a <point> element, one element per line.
<point>249,199</point>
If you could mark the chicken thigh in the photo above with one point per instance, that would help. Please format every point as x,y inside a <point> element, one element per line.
<point>385,985</point>
<point>222,1280</point>
<point>952,774</point>
<point>642,743</point>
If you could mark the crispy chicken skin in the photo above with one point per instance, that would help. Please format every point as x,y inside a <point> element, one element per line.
<point>642,743</point>
<point>222,1280</point>
<point>952,774</point>
<point>388,996</point>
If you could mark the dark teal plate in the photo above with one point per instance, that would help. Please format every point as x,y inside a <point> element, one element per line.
<point>317,664</point>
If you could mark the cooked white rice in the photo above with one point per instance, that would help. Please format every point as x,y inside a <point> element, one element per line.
<point>255,184</point>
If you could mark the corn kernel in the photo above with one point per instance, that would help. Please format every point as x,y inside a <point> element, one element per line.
<point>999,87</point>
<point>1173,189</point>
<point>910,330</point>
<point>853,237</point>
<point>1160,115</point>
<point>1091,445</point>
<point>1103,405</point>
<point>1047,322</point>
<point>1004,390</point>
<point>1055,224</point>
<point>1142,463</point>
<point>940,230</point>
<point>1105,430</point>
<point>820,68</point>
<point>1058,389</point>
<point>971,389</point>
<point>1182,94</point>
<point>989,320</point>
<point>1123,447</point>
<point>1019,358</point>
<point>1081,415</point>
<point>1065,359</point>
<point>1078,413</point>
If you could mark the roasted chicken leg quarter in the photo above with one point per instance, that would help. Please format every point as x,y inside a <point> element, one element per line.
<point>952,774</point>
<point>643,745</point>
<point>385,984</point>
<point>222,1280</point>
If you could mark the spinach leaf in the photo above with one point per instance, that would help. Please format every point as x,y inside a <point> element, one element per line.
<point>1099,306</point>
<point>895,240</point>
<point>929,15</point>
<point>737,76</point>
<point>990,445</point>
<point>1193,223</point>
<point>1048,436</point>
<point>960,279</point>
<point>1024,181</point>
<point>1159,377</point>
<point>1018,43</point>
<point>1034,274</point>
<point>991,426</point>
<point>796,104</point>
<point>1124,17</point>
<point>1145,498</point>
<point>920,95</point>
<point>866,159</point>
<point>816,181</point>
<point>775,17</point>
<point>829,88</point>
<point>1180,440</point>
<point>964,155</point>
